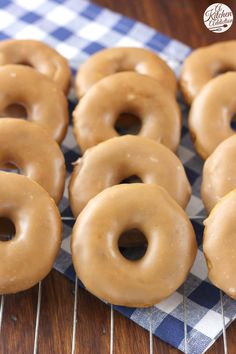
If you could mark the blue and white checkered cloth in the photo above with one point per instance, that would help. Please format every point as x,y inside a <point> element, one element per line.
<point>77,29</point>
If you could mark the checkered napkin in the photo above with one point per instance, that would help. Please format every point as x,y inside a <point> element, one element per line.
<point>77,29</point>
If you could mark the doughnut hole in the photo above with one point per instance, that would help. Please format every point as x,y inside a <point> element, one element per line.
<point>132,244</point>
<point>25,63</point>
<point>128,123</point>
<point>233,122</point>
<point>8,166</point>
<point>7,229</point>
<point>223,70</point>
<point>15,110</point>
<point>131,179</point>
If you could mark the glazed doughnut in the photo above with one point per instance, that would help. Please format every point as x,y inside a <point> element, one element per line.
<point>219,244</point>
<point>211,113</point>
<point>170,252</point>
<point>29,256</point>
<point>40,56</point>
<point>219,173</point>
<point>43,100</point>
<point>26,145</point>
<point>205,63</point>
<point>112,60</point>
<point>95,115</point>
<point>119,158</point>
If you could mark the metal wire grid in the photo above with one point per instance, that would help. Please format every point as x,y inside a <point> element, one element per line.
<point>112,319</point>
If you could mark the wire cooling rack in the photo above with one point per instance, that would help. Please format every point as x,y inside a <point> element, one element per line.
<point>112,319</point>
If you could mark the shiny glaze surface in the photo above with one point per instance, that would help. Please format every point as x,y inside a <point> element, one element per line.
<point>27,146</point>
<point>96,114</point>
<point>171,245</point>
<point>40,56</point>
<point>211,114</point>
<point>219,173</point>
<point>119,158</point>
<point>43,100</point>
<point>112,60</point>
<point>29,255</point>
<point>219,244</point>
<point>205,63</point>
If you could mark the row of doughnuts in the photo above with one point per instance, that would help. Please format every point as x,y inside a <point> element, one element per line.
<point>104,208</point>
<point>29,200</point>
<point>93,122</point>
<point>208,81</point>
<point>201,81</point>
<point>155,207</point>
<point>29,147</point>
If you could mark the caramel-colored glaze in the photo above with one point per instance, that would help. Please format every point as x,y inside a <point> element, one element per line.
<point>219,173</point>
<point>205,63</point>
<point>95,115</point>
<point>29,256</point>
<point>40,56</point>
<point>119,158</point>
<point>170,253</point>
<point>43,100</point>
<point>27,146</point>
<point>211,113</point>
<point>219,244</point>
<point>112,60</point>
